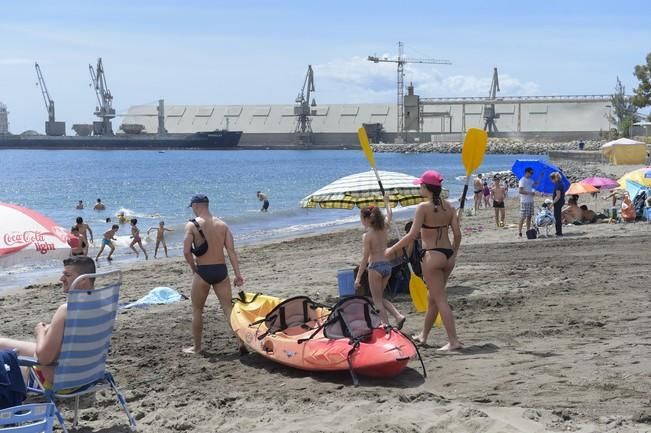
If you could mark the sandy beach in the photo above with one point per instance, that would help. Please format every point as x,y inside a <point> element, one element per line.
<point>556,334</point>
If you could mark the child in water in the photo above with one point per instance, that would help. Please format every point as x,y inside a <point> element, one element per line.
<point>109,236</point>
<point>135,234</point>
<point>160,236</point>
<point>379,269</point>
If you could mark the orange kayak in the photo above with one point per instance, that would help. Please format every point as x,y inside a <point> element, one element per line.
<point>301,333</point>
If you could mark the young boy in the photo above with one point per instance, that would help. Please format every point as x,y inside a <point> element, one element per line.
<point>109,236</point>
<point>498,193</point>
<point>160,236</point>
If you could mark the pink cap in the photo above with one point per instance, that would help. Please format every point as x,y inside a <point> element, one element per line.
<point>430,177</point>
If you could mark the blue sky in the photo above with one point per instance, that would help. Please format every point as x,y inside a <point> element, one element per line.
<point>257,52</point>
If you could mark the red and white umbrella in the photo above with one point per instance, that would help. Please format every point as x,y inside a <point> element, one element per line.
<point>26,235</point>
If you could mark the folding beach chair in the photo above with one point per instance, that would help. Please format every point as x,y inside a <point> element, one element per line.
<point>28,418</point>
<point>81,366</point>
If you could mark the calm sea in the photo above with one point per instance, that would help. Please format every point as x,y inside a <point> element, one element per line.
<point>154,186</point>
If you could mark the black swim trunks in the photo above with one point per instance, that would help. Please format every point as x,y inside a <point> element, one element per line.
<point>265,205</point>
<point>498,204</point>
<point>213,274</point>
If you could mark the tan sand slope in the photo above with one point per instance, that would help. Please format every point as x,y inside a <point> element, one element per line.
<point>557,335</point>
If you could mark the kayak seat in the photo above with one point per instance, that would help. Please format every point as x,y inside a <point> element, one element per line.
<point>293,316</point>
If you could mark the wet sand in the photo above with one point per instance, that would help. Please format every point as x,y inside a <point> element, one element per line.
<point>556,332</point>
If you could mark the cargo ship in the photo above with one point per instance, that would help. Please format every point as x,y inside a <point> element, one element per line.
<point>100,136</point>
<point>218,139</point>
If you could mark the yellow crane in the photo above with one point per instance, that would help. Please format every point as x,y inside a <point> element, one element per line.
<point>401,61</point>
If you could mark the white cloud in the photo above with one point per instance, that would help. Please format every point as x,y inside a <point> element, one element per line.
<point>363,77</point>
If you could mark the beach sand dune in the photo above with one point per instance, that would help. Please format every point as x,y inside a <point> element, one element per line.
<point>557,336</point>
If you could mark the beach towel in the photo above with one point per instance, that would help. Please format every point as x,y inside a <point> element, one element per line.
<point>158,295</point>
<point>12,386</point>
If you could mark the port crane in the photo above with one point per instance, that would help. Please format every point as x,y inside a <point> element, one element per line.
<point>104,110</point>
<point>401,61</point>
<point>303,109</point>
<point>52,127</point>
<point>489,109</point>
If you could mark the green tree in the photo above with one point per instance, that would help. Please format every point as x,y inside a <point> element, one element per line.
<point>642,93</point>
<point>624,113</point>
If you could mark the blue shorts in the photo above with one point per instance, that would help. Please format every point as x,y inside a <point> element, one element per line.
<point>106,242</point>
<point>383,268</point>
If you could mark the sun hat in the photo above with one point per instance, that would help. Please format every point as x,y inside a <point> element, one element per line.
<point>198,198</point>
<point>430,177</point>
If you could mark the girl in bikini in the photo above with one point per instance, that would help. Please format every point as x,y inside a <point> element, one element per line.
<point>433,220</point>
<point>135,234</point>
<point>379,268</point>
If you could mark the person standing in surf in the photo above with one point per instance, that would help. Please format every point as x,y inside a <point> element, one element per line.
<point>135,234</point>
<point>264,199</point>
<point>160,236</point>
<point>379,268</point>
<point>206,238</point>
<point>433,220</point>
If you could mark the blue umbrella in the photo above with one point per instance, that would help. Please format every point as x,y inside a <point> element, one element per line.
<point>541,171</point>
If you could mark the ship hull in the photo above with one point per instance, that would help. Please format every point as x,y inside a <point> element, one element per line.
<point>200,140</point>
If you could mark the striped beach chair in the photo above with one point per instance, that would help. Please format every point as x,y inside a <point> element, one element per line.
<point>81,366</point>
<point>28,418</point>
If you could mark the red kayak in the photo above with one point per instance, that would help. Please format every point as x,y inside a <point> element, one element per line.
<point>301,333</point>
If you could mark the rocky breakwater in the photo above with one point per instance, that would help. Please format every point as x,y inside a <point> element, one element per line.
<point>495,146</point>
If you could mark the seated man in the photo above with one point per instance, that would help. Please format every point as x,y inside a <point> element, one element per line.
<point>49,338</point>
<point>572,212</point>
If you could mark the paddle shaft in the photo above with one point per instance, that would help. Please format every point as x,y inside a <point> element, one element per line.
<point>379,182</point>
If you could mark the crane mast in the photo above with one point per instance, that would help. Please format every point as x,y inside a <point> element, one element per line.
<point>489,109</point>
<point>401,61</point>
<point>104,110</point>
<point>303,109</point>
<point>52,127</point>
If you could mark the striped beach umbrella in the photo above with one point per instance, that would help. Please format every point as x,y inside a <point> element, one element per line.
<point>361,189</point>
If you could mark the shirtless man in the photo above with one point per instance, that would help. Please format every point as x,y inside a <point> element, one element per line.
<point>160,236</point>
<point>49,338</point>
<point>99,205</point>
<point>479,188</point>
<point>498,194</point>
<point>80,205</point>
<point>206,237</point>
<point>264,199</point>
<point>84,230</point>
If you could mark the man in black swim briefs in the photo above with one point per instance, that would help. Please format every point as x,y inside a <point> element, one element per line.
<point>206,238</point>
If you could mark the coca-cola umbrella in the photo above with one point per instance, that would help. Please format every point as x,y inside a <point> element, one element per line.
<point>26,236</point>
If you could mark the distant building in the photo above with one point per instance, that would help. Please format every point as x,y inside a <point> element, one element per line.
<point>4,119</point>
<point>440,119</point>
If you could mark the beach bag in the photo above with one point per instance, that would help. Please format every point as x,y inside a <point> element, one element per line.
<point>532,234</point>
<point>292,312</point>
<point>12,386</point>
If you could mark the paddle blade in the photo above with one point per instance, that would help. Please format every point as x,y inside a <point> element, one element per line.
<point>474,148</point>
<point>418,292</point>
<point>366,147</point>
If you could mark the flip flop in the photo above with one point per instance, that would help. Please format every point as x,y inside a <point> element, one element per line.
<point>401,323</point>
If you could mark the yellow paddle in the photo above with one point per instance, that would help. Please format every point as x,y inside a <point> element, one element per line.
<point>417,287</point>
<point>472,154</point>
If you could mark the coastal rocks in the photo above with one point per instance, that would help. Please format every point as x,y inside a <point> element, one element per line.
<point>495,146</point>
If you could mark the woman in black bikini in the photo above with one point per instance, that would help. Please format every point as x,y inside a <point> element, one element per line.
<point>433,220</point>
